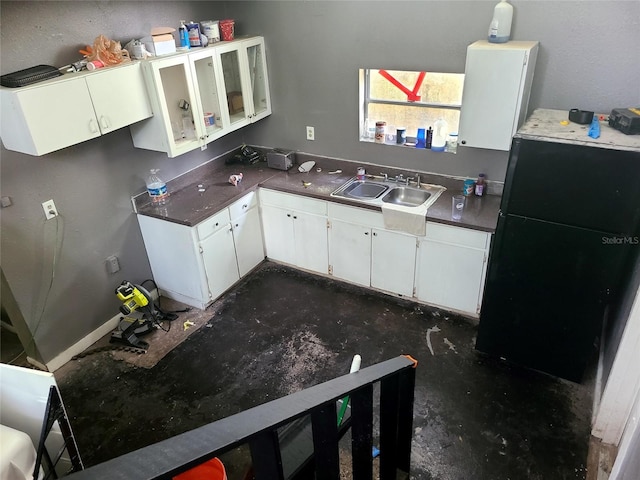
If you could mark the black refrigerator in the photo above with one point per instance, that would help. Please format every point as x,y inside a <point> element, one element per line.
<point>566,239</point>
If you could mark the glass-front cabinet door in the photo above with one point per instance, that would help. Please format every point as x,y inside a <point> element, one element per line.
<point>258,78</point>
<point>172,96</point>
<point>213,114</point>
<point>246,84</point>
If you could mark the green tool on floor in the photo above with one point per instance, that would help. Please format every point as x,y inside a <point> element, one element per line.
<point>355,366</point>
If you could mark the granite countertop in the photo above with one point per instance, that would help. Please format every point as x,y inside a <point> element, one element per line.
<point>189,206</point>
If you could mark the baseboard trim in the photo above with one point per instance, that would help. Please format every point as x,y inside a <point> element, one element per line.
<point>83,344</point>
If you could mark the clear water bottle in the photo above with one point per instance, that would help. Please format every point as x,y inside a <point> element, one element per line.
<point>156,188</point>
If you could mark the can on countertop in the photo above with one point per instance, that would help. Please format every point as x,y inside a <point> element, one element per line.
<point>468,186</point>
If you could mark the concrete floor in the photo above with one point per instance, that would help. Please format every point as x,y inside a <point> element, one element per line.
<point>280,330</point>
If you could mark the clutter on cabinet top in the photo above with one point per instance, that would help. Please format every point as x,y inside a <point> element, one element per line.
<point>106,51</point>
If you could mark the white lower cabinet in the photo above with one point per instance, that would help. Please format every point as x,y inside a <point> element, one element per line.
<point>393,261</point>
<point>195,265</point>
<point>295,230</point>
<point>219,258</point>
<point>247,238</point>
<point>451,267</point>
<point>362,252</point>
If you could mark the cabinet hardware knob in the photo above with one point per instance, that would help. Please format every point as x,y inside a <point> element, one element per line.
<point>92,126</point>
<point>366,233</point>
<point>375,234</point>
<point>104,122</point>
<point>288,215</point>
<point>217,224</point>
<point>245,206</point>
<point>237,225</point>
<point>294,217</point>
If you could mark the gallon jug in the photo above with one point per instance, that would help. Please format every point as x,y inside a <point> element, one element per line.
<point>500,27</point>
<point>439,139</point>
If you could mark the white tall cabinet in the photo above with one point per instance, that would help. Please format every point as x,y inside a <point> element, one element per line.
<point>497,85</point>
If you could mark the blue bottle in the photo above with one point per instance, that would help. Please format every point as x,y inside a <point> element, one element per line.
<point>184,36</point>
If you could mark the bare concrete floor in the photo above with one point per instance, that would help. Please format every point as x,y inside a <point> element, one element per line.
<point>281,330</point>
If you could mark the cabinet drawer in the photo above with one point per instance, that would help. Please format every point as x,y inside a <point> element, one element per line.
<point>457,235</point>
<point>213,224</point>
<point>241,206</point>
<point>360,216</point>
<point>293,202</point>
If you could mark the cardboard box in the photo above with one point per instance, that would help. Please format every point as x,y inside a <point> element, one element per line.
<point>161,41</point>
<point>234,99</point>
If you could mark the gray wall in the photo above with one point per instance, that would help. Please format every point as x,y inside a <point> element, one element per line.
<point>314,50</point>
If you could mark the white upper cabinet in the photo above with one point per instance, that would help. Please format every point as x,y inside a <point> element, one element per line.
<point>497,85</point>
<point>199,96</point>
<point>246,81</point>
<point>51,115</point>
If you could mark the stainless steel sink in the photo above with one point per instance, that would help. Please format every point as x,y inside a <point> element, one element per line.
<point>377,192</point>
<point>407,196</point>
<point>364,189</point>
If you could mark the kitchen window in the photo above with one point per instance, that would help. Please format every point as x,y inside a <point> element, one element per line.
<point>408,99</point>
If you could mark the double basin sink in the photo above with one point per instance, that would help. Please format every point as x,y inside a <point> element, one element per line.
<point>375,191</point>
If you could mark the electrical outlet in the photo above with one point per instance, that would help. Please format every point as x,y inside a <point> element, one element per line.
<point>50,209</point>
<point>311,133</point>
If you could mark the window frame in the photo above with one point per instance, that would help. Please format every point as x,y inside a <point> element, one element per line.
<point>365,100</point>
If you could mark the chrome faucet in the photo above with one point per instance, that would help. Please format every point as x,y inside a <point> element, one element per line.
<point>418,184</point>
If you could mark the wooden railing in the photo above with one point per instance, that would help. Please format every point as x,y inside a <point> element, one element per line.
<point>258,427</point>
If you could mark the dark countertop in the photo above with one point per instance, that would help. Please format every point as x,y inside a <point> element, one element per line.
<point>189,206</point>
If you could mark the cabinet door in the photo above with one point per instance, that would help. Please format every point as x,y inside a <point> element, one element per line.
<point>278,234</point>
<point>219,257</point>
<point>179,275</point>
<point>350,252</point>
<point>238,97</point>
<point>450,276</point>
<point>496,88</point>
<point>119,97</point>
<point>311,249</point>
<point>393,258</point>
<point>209,89</point>
<point>172,128</point>
<point>248,241</point>
<point>257,77</point>
<point>41,119</point>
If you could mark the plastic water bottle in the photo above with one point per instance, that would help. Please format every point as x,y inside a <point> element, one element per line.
<point>500,27</point>
<point>156,188</point>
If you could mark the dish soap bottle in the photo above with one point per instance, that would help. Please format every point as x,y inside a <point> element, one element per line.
<point>500,27</point>
<point>157,188</point>
<point>184,36</point>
